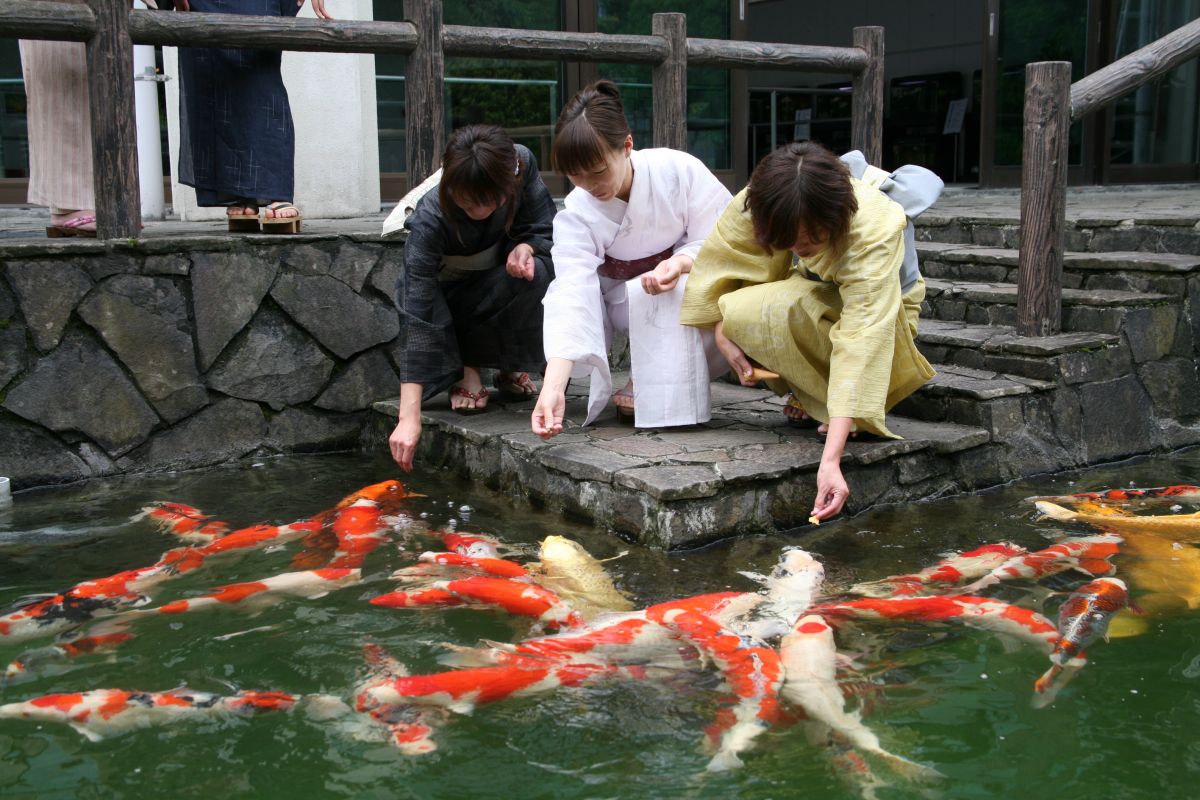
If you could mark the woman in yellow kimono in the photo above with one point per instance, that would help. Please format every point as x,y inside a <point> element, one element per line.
<point>838,321</point>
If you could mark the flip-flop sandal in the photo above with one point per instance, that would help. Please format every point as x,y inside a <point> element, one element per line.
<point>243,223</point>
<point>279,224</point>
<point>73,227</point>
<point>800,422</point>
<point>514,386</point>
<point>476,397</point>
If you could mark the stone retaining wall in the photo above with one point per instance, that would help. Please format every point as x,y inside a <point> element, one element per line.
<point>183,352</point>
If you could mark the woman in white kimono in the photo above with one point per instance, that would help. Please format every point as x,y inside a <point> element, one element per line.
<point>812,272</point>
<point>623,247</point>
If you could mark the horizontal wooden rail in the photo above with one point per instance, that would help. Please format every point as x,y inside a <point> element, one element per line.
<point>275,33</point>
<point>1105,86</point>
<point>765,55</point>
<point>465,40</point>
<point>64,22</point>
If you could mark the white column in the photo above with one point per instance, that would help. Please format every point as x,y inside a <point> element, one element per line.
<point>337,141</point>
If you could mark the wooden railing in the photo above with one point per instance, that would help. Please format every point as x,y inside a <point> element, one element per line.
<point>109,29</point>
<point>1052,103</point>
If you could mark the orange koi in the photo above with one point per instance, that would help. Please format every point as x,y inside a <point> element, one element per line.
<point>515,597</point>
<point>1088,554</point>
<point>976,612</point>
<point>420,598</point>
<point>496,567</point>
<point>471,544</point>
<point>107,712</point>
<point>950,571</point>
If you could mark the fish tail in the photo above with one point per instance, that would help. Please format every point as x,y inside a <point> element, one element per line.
<point>909,769</point>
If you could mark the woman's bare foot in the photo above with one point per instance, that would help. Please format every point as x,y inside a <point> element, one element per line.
<point>242,210</point>
<point>468,394</point>
<point>623,398</point>
<point>82,220</point>
<point>281,209</point>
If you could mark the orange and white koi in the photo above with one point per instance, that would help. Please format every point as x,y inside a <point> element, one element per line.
<point>106,712</point>
<point>496,567</point>
<point>464,689</point>
<point>184,521</point>
<point>976,612</point>
<point>1088,554</point>
<point>752,670</point>
<point>515,597</point>
<point>84,601</point>
<point>475,545</point>
<point>950,571</point>
<point>1082,619</point>
<point>809,658</point>
<point>410,726</point>
<point>308,584</point>
<point>1181,493</point>
<point>1183,527</point>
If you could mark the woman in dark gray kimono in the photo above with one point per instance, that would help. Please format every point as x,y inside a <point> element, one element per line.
<point>237,144</point>
<point>476,266</point>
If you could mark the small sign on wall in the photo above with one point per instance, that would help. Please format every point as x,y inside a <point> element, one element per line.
<point>955,115</point>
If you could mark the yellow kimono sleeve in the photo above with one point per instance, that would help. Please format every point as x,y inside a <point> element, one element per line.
<point>729,259</point>
<point>863,340</point>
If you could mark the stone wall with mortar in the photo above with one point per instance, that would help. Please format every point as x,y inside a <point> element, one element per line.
<point>183,352</point>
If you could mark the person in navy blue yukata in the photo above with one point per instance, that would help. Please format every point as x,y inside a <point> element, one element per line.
<point>237,143</point>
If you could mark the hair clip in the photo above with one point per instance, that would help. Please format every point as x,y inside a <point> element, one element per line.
<point>517,168</point>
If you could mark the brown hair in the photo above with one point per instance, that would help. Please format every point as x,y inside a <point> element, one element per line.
<point>590,126</point>
<point>800,186</point>
<point>480,166</point>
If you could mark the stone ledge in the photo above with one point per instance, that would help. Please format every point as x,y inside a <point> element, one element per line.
<point>1108,261</point>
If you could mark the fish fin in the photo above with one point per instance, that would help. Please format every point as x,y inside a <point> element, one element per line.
<point>27,600</point>
<point>757,577</point>
<point>322,707</point>
<point>1055,511</point>
<point>908,768</point>
<point>724,761</point>
<point>86,732</point>
<point>621,554</point>
<point>466,656</point>
<point>462,706</point>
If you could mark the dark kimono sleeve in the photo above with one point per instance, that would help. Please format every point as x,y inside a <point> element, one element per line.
<point>428,351</point>
<point>534,221</point>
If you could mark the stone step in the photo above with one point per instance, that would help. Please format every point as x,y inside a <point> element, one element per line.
<point>997,349</point>
<point>1093,231</point>
<point>1161,273</point>
<point>1150,325</point>
<point>746,470</point>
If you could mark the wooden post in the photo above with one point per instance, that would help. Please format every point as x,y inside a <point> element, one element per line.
<point>114,124</point>
<point>669,83</point>
<point>1043,197</point>
<point>866,118</point>
<point>424,87</point>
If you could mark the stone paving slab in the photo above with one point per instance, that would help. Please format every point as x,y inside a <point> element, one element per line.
<point>747,470</point>
<point>1108,261</point>
<point>1006,293</point>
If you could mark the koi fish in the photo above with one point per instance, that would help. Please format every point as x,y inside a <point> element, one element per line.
<point>410,727</point>
<point>752,670</point>
<point>495,567</point>
<point>184,521</point>
<point>809,658</point>
<point>40,660</point>
<point>470,544</point>
<point>70,609</point>
<point>515,597</point>
<point>1172,494</point>
<point>1082,619</point>
<point>571,572</point>
<point>1088,554</point>
<point>786,593</point>
<point>1183,527</point>
<point>107,712</point>
<point>462,690</point>
<point>976,612</point>
<point>308,584</point>
<point>950,571</point>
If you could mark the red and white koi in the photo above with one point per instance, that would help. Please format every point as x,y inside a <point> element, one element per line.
<point>1174,494</point>
<point>752,670</point>
<point>107,712</point>
<point>410,726</point>
<point>41,660</point>
<point>1088,554</point>
<point>184,521</point>
<point>495,567</point>
<point>950,571</point>
<point>1082,619</point>
<point>515,597</point>
<point>82,602</point>
<point>976,612</point>
<point>809,658</point>
<point>475,545</point>
<point>307,584</point>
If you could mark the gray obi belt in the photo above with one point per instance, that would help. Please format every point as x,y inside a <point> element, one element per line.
<point>915,189</point>
<point>456,268</point>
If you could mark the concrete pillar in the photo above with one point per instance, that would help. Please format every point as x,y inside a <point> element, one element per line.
<point>337,142</point>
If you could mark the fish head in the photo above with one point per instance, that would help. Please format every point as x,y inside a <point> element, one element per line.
<point>386,494</point>
<point>559,549</point>
<point>796,570</point>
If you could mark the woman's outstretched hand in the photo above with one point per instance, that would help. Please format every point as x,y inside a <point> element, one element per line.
<point>547,420</point>
<point>832,490</point>
<point>734,355</point>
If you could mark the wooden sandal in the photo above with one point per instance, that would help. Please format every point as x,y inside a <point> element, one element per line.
<point>800,420</point>
<point>624,413</point>
<point>479,398</point>
<point>279,224</point>
<point>514,386</point>
<point>243,223</point>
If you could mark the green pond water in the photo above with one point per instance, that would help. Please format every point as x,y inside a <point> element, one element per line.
<point>955,699</point>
